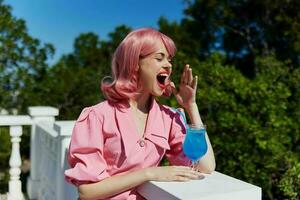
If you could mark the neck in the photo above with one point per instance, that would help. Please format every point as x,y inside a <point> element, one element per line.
<point>141,103</point>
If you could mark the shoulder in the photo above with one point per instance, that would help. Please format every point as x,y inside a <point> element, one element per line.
<point>102,107</point>
<point>98,111</point>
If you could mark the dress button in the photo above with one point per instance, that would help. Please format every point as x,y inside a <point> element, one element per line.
<point>142,142</point>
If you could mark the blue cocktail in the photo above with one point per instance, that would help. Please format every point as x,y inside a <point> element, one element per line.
<point>195,146</point>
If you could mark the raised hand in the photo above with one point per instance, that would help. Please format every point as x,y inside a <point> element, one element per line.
<point>186,95</point>
<point>172,173</point>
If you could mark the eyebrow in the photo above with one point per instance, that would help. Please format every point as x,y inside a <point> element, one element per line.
<point>162,54</point>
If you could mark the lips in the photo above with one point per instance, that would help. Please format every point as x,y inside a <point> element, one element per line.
<point>163,79</point>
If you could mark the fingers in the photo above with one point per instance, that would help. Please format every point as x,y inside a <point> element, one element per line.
<point>195,82</point>
<point>173,87</point>
<point>183,76</point>
<point>187,173</point>
<point>173,173</point>
<point>175,92</point>
<point>187,76</point>
<point>168,91</point>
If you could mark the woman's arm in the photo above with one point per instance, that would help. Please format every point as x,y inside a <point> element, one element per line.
<point>186,97</point>
<point>207,163</point>
<point>120,183</point>
<point>111,186</point>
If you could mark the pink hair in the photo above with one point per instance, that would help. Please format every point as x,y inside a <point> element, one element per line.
<point>137,44</point>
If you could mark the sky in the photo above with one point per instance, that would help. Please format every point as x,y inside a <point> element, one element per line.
<point>59,22</point>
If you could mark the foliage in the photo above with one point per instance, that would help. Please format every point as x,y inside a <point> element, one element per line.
<point>246,54</point>
<point>22,60</point>
<point>290,183</point>
<point>22,66</point>
<point>85,67</point>
<point>252,126</point>
<point>243,30</point>
<point>4,148</point>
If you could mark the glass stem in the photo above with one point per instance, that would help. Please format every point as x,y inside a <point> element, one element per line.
<point>194,163</point>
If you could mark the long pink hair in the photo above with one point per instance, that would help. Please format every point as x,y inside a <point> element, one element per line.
<point>137,44</point>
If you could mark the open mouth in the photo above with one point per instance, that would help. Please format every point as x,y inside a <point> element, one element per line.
<point>163,80</point>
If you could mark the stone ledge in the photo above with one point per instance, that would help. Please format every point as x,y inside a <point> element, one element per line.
<point>214,186</point>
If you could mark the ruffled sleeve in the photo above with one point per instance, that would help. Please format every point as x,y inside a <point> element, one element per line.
<point>85,154</point>
<point>177,135</point>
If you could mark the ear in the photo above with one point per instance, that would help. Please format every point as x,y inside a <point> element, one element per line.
<point>137,68</point>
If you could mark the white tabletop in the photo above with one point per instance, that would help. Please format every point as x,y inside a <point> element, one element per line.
<point>215,186</point>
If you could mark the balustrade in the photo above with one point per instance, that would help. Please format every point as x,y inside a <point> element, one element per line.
<point>15,124</point>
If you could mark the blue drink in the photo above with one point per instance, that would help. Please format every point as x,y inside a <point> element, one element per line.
<point>195,146</point>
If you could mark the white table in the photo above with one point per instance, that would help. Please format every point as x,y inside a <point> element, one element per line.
<point>215,186</point>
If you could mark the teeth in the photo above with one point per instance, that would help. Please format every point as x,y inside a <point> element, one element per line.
<point>163,75</point>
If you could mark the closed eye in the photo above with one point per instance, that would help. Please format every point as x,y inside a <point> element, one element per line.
<point>159,59</point>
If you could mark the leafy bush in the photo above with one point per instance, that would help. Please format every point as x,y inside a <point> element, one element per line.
<point>252,123</point>
<point>290,182</point>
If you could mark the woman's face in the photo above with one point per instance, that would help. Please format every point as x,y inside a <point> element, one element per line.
<point>154,72</point>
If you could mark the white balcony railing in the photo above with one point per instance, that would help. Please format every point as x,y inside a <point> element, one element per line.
<point>48,148</point>
<point>15,124</point>
<point>49,142</point>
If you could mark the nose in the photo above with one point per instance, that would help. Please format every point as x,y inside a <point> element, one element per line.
<point>167,64</point>
<point>168,68</point>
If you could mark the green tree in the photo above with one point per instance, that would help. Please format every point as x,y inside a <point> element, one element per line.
<point>22,60</point>
<point>241,30</point>
<point>74,81</point>
<point>22,67</point>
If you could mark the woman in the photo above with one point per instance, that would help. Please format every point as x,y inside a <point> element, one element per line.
<point>118,144</point>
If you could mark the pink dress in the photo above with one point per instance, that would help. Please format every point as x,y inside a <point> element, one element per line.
<point>105,142</point>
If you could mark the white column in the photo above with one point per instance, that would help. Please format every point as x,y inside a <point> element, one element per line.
<point>38,114</point>
<point>63,189</point>
<point>15,185</point>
